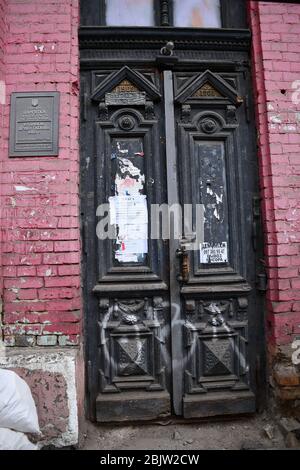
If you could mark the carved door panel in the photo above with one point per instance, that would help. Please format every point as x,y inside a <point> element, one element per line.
<point>128,296</point>
<point>219,311</point>
<point>167,329</point>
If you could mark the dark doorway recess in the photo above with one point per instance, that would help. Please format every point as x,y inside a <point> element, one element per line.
<point>169,330</point>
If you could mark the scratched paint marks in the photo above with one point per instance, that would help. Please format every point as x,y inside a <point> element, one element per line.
<point>129,166</point>
<point>130,180</point>
<point>128,205</point>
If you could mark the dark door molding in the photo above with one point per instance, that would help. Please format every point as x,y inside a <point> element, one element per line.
<point>94,37</point>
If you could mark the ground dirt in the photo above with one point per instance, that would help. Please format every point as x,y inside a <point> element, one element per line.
<point>255,432</point>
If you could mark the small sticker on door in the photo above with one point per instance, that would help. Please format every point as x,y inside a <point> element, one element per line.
<point>213,253</point>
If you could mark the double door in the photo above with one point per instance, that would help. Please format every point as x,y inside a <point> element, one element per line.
<point>170,222</point>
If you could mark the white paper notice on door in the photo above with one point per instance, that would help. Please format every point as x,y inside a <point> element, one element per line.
<point>130,215</point>
<point>213,253</point>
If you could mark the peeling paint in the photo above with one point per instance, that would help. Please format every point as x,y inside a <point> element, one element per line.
<point>219,199</point>
<point>128,208</point>
<point>217,216</point>
<point>289,128</point>
<point>24,188</point>
<point>127,165</point>
<point>128,186</point>
<point>50,177</point>
<point>39,47</point>
<point>2,92</point>
<point>59,364</point>
<point>276,119</point>
<point>213,194</point>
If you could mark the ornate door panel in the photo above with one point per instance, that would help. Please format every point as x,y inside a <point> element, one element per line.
<point>217,297</point>
<point>131,369</point>
<point>170,329</point>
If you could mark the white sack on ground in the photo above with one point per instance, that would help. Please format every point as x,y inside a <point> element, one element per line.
<point>17,408</point>
<point>13,440</point>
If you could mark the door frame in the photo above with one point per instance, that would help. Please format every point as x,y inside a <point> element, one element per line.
<point>230,51</point>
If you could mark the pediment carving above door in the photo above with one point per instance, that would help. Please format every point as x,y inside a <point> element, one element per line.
<point>207,91</point>
<point>208,86</point>
<point>126,80</point>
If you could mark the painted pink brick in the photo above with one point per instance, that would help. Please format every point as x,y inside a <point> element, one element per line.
<point>41,54</point>
<point>276,42</point>
<point>54,26</point>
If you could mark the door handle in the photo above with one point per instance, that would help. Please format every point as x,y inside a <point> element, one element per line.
<point>183,256</point>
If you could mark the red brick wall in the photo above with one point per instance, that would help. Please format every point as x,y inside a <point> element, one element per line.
<point>39,200</point>
<point>2,54</point>
<point>2,35</point>
<point>276,67</point>
<point>2,100</point>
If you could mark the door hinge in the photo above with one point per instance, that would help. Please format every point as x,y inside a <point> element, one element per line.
<point>256,206</point>
<point>84,102</point>
<point>247,109</point>
<point>261,282</point>
<point>255,220</point>
<point>91,408</point>
<point>261,276</point>
<point>84,236</point>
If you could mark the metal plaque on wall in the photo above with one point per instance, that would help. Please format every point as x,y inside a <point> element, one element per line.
<point>34,124</point>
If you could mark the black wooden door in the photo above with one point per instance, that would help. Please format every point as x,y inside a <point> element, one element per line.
<point>170,321</point>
